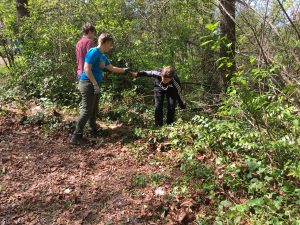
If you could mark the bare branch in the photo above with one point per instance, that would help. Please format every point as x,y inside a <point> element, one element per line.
<point>292,23</point>
<point>261,16</point>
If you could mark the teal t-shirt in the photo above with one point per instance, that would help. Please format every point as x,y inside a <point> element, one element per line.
<point>98,60</point>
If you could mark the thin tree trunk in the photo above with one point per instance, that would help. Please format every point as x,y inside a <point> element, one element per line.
<point>227,29</point>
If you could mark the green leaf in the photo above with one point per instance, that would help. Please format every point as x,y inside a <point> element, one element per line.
<point>218,160</point>
<point>243,81</point>
<point>222,59</point>
<point>296,123</point>
<point>4,170</point>
<point>237,220</point>
<point>226,204</point>
<point>256,202</point>
<point>229,64</point>
<point>242,208</point>
<point>220,66</point>
<point>211,26</point>
<point>267,178</point>
<point>252,59</point>
<point>206,42</point>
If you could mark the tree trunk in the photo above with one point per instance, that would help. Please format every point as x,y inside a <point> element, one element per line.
<point>22,8</point>
<point>227,29</point>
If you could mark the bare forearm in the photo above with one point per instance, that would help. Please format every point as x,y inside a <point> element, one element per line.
<point>90,75</point>
<point>116,69</point>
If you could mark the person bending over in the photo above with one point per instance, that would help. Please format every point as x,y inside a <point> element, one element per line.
<point>166,84</point>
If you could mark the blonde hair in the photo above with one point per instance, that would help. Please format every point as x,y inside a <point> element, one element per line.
<point>168,71</point>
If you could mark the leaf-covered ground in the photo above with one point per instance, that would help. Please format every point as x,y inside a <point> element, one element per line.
<point>44,180</point>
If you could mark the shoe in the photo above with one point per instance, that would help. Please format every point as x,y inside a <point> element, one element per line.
<point>94,133</point>
<point>78,140</point>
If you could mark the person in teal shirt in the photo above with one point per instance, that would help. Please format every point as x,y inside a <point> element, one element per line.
<point>98,60</point>
<point>95,63</point>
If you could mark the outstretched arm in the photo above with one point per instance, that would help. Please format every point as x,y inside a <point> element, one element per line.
<point>150,73</point>
<point>115,69</point>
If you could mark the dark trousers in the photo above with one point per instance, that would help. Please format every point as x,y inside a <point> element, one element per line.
<point>89,107</point>
<point>159,95</point>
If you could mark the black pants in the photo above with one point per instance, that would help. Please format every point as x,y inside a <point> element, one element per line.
<point>159,95</point>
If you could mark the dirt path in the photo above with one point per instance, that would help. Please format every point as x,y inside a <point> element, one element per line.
<point>44,180</point>
<point>2,63</point>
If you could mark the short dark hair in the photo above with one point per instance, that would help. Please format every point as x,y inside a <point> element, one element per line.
<point>105,37</point>
<point>88,27</point>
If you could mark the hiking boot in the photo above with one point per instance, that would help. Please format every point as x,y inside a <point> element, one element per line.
<point>78,140</point>
<point>94,133</point>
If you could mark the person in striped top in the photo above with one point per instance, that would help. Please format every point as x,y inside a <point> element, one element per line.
<point>166,84</point>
